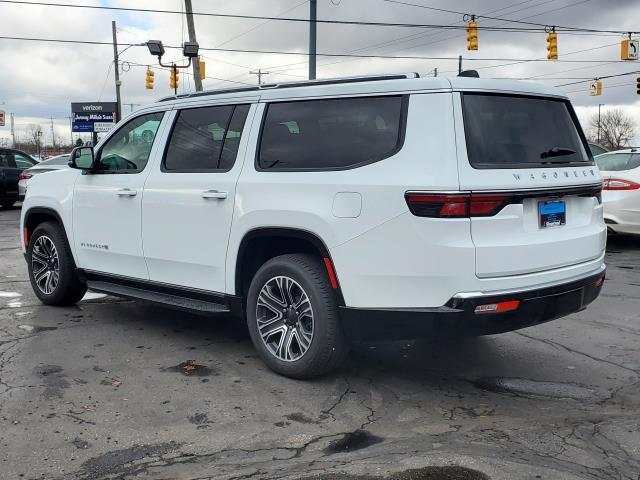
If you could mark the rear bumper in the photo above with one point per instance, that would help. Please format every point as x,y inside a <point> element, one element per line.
<point>458,318</point>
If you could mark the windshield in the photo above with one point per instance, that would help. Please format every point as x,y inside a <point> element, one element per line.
<point>59,160</point>
<point>508,131</point>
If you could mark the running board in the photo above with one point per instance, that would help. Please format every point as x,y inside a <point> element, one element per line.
<point>176,301</point>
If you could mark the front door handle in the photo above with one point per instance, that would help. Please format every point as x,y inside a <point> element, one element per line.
<point>126,192</point>
<point>214,194</point>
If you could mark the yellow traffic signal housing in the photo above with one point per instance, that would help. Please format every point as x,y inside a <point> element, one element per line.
<point>149,82</point>
<point>552,46</point>
<point>174,78</point>
<point>203,70</point>
<point>472,35</point>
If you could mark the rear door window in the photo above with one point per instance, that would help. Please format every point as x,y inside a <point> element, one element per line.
<point>510,131</point>
<point>206,139</point>
<point>332,134</point>
<point>617,162</point>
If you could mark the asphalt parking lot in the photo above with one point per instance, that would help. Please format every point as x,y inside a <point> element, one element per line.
<point>119,389</point>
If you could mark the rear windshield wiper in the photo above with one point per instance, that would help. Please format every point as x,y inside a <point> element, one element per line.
<point>557,152</point>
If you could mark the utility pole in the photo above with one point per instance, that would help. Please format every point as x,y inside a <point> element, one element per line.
<point>116,69</point>
<point>53,136</point>
<point>435,72</point>
<point>313,14</point>
<point>71,130</point>
<point>197,79</point>
<point>259,73</point>
<point>13,131</point>
<point>459,64</point>
<point>599,105</point>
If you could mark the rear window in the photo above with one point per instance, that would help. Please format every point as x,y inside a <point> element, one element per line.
<point>508,131</point>
<point>616,162</point>
<point>331,134</point>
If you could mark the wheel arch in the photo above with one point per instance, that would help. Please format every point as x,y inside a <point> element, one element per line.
<point>259,245</point>
<point>34,216</point>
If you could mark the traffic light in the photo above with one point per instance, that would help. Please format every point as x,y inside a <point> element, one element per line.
<point>174,79</point>
<point>149,83</point>
<point>472,35</point>
<point>638,85</point>
<point>203,70</point>
<point>552,46</point>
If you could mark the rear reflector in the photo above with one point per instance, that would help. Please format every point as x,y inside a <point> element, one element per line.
<point>619,184</point>
<point>331,273</point>
<point>25,234</point>
<point>498,307</point>
<point>599,281</point>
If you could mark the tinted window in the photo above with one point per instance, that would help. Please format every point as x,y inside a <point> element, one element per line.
<point>618,161</point>
<point>206,138</point>
<point>596,149</point>
<point>129,148</point>
<point>514,132</point>
<point>331,134</point>
<point>6,159</point>
<point>22,161</point>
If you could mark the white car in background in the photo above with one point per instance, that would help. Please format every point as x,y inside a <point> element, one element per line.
<point>58,162</point>
<point>621,189</point>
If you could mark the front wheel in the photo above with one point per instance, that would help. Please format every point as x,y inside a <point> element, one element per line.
<point>292,317</point>
<point>52,271</point>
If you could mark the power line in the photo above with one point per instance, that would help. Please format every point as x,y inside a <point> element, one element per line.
<point>522,22</point>
<point>306,20</point>
<point>635,72</point>
<point>281,52</point>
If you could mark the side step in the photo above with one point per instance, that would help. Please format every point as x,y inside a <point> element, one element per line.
<point>183,303</point>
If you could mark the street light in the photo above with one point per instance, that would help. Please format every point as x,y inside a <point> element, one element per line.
<point>155,48</point>
<point>190,49</point>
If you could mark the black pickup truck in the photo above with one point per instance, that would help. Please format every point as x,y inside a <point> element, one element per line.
<point>12,163</point>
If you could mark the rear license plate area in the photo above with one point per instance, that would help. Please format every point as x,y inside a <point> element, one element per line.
<point>552,213</point>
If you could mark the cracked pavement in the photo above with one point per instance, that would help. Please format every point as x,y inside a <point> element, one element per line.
<point>114,389</point>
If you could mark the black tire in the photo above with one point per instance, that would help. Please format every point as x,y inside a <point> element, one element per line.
<point>69,289</point>
<point>7,204</point>
<point>328,347</point>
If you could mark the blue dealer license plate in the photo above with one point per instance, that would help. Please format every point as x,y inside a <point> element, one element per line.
<point>552,213</point>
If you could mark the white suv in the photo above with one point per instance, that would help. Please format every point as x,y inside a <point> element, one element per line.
<point>380,207</point>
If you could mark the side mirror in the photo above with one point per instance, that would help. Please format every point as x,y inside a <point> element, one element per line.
<point>81,158</point>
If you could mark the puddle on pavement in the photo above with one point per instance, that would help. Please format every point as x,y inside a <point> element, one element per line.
<point>352,441</point>
<point>10,294</point>
<point>35,328</point>
<point>449,472</point>
<point>191,369</point>
<point>525,387</point>
<point>54,380</point>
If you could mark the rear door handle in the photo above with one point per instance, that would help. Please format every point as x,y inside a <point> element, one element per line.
<point>126,192</point>
<point>214,194</point>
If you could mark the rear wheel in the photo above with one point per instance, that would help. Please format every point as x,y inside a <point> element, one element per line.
<point>292,317</point>
<point>52,271</point>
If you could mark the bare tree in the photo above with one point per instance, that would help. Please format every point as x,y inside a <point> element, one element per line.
<point>614,129</point>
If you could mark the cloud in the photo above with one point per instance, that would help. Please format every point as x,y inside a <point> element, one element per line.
<point>42,79</point>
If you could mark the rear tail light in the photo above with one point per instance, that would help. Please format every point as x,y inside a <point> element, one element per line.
<point>463,205</point>
<point>619,184</point>
<point>25,176</point>
<point>499,307</point>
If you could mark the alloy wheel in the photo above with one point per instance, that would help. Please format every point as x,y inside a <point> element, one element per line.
<point>45,265</point>
<point>285,318</point>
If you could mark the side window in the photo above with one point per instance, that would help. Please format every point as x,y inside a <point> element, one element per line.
<point>129,148</point>
<point>331,134</point>
<point>634,161</point>
<point>5,159</point>
<point>23,162</point>
<point>615,162</point>
<point>205,139</point>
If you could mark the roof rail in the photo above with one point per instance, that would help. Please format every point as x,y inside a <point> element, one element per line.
<point>303,83</point>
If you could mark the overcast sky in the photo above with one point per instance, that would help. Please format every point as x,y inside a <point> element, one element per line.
<point>40,80</point>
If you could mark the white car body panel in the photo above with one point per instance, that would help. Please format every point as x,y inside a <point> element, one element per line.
<point>384,256</point>
<point>622,207</point>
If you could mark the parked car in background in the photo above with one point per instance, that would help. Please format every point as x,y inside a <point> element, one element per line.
<point>597,149</point>
<point>621,189</point>
<point>58,162</point>
<point>12,163</point>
